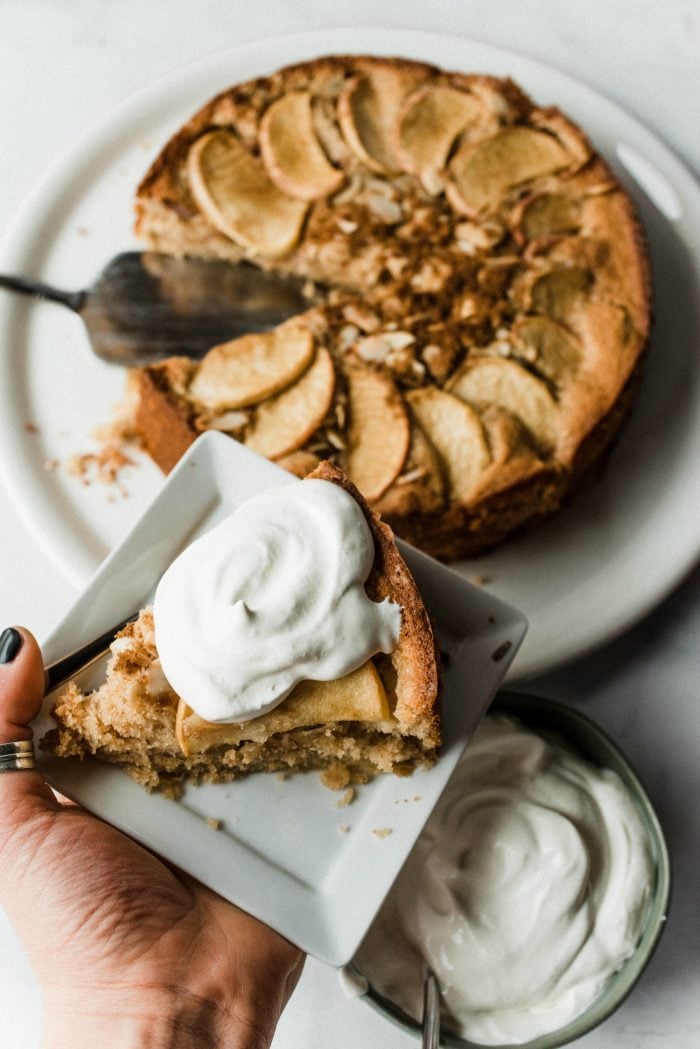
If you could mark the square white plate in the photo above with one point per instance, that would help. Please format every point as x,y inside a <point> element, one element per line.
<point>285,852</point>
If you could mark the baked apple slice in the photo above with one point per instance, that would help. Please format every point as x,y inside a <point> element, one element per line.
<point>481,172</point>
<point>421,483</point>
<point>283,423</point>
<point>367,109</point>
<point>291,151</point>
<point>457,433</point>
<point>499,381</point>
<point>233,190</point>
<point>359,696</point>
<point>430,121</point>
<point>544,214</point>
<point>247,370</point>
<point>379,430</point>
<point>560,291</point>
<point>554,351</point>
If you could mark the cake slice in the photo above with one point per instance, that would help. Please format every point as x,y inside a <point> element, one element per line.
<point>381,717</point>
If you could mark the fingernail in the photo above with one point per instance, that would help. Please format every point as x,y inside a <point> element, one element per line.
<point>10,644</point>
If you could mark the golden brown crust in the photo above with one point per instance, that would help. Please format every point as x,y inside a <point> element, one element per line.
<point>416,658</point>
<point>160,420</point>
<point>447,290</point>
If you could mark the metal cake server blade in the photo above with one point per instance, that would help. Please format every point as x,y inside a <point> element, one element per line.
<point>144,306</point>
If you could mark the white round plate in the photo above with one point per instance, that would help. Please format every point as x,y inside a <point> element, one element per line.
<point>581,577</point>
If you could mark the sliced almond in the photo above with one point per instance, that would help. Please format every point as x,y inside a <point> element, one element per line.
<point>457,433</point>
<point>430,120</point>
<point>376,348</point>
<point>232,188</point>
<point>247,370</point>
<point>503,382</point>
<point>285,422</point>
<point>359,696</point>
<point>291,151</point>
<point>481,172</point>
<point>379,430</point>
<point>228,422</point>
<point>367,109</point>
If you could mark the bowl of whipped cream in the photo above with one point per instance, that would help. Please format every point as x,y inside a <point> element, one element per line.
<point>536,892</point>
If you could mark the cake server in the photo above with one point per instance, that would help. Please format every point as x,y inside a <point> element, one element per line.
<point>145,306</point>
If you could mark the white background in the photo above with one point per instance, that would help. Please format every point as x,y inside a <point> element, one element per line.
<point>66,63</point>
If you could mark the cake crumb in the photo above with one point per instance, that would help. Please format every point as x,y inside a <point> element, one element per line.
<point>282,776</point>
<point>382,832</point>
<point>31,427</point>
<point>417,797</point>
<point>214,823</point>
<point>347,798</point>
<point>344,828</point>
<point>479,580</point>
<point>103,466</point>
<point>335,777</point>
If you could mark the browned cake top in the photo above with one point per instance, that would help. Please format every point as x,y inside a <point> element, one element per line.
<point>485,287</point>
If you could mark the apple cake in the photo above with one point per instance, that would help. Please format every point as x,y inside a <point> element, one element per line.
<point>480,299</point>
<point>382,717</point>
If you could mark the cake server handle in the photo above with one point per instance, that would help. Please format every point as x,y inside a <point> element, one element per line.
<point>431,1011</point>
<point>73,299</point>
<point>67,667</point>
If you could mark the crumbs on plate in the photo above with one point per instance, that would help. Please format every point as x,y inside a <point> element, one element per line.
<point>347,798</point>
<point>335,777</point>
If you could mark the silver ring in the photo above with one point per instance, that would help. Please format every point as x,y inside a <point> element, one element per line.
<point>17,756</point>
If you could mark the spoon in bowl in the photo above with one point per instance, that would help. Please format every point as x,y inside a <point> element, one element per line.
<point>431,1011</point>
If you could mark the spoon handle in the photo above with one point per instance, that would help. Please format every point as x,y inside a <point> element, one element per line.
<point>72,299</point>
<point>431,1012</point>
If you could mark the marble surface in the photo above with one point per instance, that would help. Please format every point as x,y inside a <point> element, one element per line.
<point>63,65</point>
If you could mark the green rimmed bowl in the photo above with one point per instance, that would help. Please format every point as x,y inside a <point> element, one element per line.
<point>592,743</point>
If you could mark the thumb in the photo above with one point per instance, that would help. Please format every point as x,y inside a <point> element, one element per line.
<point>22,793</point>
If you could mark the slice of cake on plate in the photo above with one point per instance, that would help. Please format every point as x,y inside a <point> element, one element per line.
<point>252,624</point>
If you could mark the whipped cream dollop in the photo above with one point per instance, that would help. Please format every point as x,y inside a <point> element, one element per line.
<point>527,890</point>
<point>271,596</point>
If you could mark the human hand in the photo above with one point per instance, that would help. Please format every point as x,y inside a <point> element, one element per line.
<point>128,951</point>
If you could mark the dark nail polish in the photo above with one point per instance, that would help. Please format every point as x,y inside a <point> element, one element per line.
<point>10,644</point>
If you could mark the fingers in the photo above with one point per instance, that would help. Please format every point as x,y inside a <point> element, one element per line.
<point>21,683</point>
<point>21,692</point>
